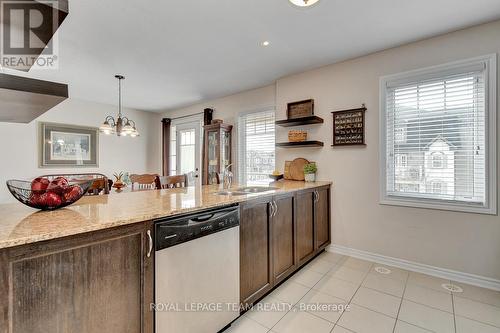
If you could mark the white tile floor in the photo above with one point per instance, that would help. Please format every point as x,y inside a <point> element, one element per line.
<point>399,302</point>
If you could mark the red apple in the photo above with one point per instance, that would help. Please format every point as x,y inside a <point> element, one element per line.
<point>35,199</point>
<point>58,185</point>
<point>39,185</point>
<point>51,199</point>
<point>72,193</point>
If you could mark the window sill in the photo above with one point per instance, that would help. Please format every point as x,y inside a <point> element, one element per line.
<point>430,204</point>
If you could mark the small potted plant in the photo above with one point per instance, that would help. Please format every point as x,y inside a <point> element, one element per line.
<point>310,172</point>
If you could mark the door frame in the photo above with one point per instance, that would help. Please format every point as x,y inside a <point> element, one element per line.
<point>195,122</point>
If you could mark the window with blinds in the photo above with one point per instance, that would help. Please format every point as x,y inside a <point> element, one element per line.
<point>436,137</point>
<point>256,147</point>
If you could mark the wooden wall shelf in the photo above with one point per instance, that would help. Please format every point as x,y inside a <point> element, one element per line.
<point>300,121</point>
<point>303,144</point>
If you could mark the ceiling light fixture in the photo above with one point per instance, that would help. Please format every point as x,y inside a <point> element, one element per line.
<point>266,43</point>
<point>303,3</point>
<point>122,126</point>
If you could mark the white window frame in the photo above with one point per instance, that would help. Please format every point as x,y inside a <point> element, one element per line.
<point>490,207</point>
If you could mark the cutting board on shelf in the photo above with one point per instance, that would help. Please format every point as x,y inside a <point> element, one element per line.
<point>294,170</point>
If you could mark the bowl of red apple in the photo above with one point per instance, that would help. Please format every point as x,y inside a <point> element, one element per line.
<point>50,192</point>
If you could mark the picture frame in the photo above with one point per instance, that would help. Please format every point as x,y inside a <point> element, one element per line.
<point>63,145</point>
<point>349,127</point>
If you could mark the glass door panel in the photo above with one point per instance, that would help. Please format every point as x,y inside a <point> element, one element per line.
<point>188,150</point>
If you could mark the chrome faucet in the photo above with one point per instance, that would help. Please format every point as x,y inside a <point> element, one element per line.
<point>227,177</point>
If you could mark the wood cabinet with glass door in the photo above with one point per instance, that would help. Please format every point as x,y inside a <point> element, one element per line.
<point>216,151</point>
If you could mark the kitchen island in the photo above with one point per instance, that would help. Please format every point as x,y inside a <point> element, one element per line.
<point>89,267</point>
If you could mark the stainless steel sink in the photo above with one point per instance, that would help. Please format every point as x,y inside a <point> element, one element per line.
<point>230,192</point>
<point>247,190</point>
<point>256,189</point>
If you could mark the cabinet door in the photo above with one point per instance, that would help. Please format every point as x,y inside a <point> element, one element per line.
<point>97,282</point>
<point>211,167</point>
<point>255,250</point>
<point>305,225</point>
<point>322,218</point>
<point>283,237</point>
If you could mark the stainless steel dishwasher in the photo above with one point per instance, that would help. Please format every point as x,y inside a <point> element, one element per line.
<point>197,271</point>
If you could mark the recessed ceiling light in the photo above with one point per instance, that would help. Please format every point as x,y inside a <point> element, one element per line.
<point>266,43</point>
<point>303,3</point>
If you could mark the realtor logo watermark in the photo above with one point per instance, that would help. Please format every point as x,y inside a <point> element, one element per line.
<point>27,32</point>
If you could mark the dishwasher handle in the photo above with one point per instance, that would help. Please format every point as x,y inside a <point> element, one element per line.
<point>204,218</point>
<point>183,229</point>
<point>212,216</point>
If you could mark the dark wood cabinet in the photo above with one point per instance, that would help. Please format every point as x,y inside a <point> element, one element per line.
<point>96,282</point>
<point>305,225</point>
<point>322,218</point>
<point>255,250</point>
<point>283,236</point>
<point>216,151</point>
<point>278,235</point>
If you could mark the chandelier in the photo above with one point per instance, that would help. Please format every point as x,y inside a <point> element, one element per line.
<point>122,126</point>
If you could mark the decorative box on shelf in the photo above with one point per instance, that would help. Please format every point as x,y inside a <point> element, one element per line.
<point>300,109</point>
<point>297,136</point>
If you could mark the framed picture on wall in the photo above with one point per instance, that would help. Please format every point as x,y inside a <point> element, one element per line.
<point>62,145</point>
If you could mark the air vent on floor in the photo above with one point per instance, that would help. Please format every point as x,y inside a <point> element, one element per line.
<point>382,270</point>
<point>452,287</point>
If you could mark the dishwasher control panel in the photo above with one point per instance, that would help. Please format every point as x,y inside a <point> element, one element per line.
<point>177,230</point>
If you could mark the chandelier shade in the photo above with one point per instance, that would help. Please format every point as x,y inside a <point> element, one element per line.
<point>303,3</point>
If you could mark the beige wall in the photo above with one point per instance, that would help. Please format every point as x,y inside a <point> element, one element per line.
<point>19,143</point>
<point>228,108</point>
<point>458,241</point>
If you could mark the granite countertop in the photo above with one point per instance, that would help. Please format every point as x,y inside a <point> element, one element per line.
<point>20,224</point>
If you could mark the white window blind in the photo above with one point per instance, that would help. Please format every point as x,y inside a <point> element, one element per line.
<point>439,123</point>
<point>256,147</point>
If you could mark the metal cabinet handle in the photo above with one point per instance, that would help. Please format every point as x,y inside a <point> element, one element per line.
<point>316,196</point>
<point>170,236</point>
<point>150,243</point>
<point>274,208</point>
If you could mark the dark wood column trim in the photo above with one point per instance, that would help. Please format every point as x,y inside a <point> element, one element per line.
<point>208,115</point>
<point>166,122</point>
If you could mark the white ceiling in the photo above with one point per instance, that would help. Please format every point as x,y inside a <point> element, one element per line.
<point>175,53</point>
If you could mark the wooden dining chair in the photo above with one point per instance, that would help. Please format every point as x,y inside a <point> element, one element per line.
<point>100,185</point>
<point>144,182</point>
<point>178,181</point>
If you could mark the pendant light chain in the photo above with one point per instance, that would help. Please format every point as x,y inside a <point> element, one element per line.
<point>119,97</point>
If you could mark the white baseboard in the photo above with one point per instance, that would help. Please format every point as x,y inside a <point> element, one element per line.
<point>448,274</point>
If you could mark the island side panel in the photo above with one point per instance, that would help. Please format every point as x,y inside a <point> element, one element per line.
<point>86,283</point>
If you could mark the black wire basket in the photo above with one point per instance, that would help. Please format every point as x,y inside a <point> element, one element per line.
<point>50,198</point>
